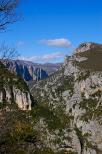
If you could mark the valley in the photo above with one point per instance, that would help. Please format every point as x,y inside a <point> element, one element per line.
<point>60,114</point>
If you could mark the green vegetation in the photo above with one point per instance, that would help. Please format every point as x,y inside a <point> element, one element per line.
<point>89,106</point>
<point>16,133</point>
<point>67,83</point>
<point>97,93</point>
<point>19,136</point>
<point>55,119</point>
<point>83,76</point>
<point>66,152</point>
<point>81,138</point>
<point>49,151</point>
<point>92,111</point>
<point>44,151</point>
<point>2,105</point>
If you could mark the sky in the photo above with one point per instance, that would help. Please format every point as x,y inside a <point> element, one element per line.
<point>51,29</point>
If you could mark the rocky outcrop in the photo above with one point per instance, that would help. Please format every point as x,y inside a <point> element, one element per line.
<point>23,100</point>
<point>88,46</point>
<point>70,104</point>
<point>13,90</point>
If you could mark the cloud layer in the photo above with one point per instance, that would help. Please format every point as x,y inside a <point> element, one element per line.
<point>45,58</point>
<point>61,42</point>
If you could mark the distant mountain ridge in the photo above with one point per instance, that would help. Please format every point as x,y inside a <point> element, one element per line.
<point>30,71</point>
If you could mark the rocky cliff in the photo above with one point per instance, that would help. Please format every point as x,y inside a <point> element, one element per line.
<point>13,90</point>
<point>69,109</point>
<point>27,71</point>
<point>30,71</point>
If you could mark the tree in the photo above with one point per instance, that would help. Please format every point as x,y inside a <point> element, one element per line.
<point>7,53</point>
<point>8,14</point>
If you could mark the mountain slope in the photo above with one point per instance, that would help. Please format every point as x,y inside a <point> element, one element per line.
<point>69,109</point>
<point>16,131</point>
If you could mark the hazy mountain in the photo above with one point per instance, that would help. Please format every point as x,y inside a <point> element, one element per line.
<point>48,67</point>
<point>30,71</point>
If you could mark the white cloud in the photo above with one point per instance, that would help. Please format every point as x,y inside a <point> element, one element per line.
<point>44,58</point>
<point>61,42</point>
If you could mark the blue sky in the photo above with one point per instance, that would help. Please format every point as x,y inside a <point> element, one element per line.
<point>51,29</point>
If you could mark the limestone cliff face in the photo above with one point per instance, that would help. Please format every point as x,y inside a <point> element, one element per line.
<point>22,99</point>
<point>71,103</point>
<point>13,90</point>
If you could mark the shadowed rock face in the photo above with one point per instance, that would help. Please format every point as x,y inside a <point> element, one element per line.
<point>30,71</point>
<point>70,103</point>
<point>26,71</point>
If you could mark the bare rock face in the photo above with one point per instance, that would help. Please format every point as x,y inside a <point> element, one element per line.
<point>22,99</point>
<point>83,47</point>
<point>71,104</point>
